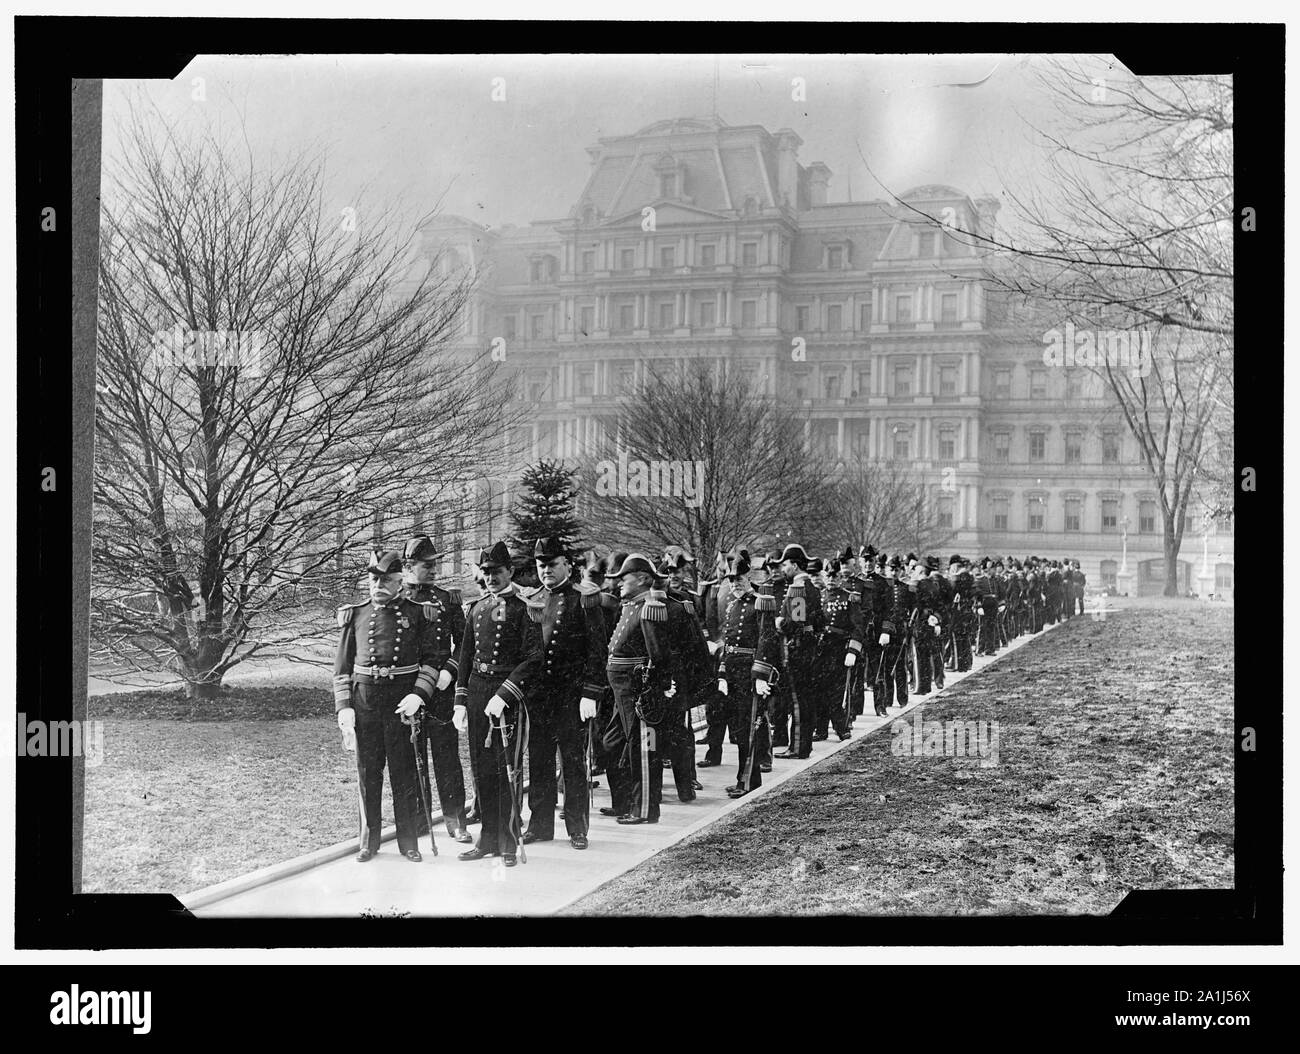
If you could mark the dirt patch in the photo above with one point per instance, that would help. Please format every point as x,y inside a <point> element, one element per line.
<point>1113,772</point>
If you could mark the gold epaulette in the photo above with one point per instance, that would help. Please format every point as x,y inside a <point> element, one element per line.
<point>654,609</point>
<point>345,613</point>
<point>455,596</point>
<point>765,602</point>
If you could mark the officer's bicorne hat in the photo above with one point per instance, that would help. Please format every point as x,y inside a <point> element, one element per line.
<point>736,564</point>
<point>549,549</point>
<point>867,552</point>
<point>956,559</point>
<point>636,562</point>
<point>677,556</point>
<point>932,563</point>
<point>845,556</point>
<point>895,561</point>
<point>795,552</point>
<point>497,556</point>
<point>671,563</point>
<point>384,562</point>
<point>815,566</point>
<point>911,558</point>
<point>420,549</point>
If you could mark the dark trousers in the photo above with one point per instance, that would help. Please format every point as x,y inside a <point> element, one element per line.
<point>1035,618</point>
<point>871,675</point>
<point>639,748</point>
<point>891,682</point>
<point>441,743</point>
<point>832,677</point>
<point>962,633</point>
<point>492,760</point>
<point>681,752</point>
<point>929,658</point>
<point>382,739</point>
<point>718,713</point>
<point>609,727</point>
<point>749,729</point>
<point>778,708</point>
<point>554,723</point>
<point>801,682</point>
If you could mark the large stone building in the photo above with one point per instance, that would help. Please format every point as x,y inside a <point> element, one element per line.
<point>693,239</point>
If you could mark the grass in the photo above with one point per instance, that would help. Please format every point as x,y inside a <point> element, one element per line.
<point>189,796</point>
<point>1114,772</point>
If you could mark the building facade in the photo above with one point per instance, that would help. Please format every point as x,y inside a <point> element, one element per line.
<point>695,240</point>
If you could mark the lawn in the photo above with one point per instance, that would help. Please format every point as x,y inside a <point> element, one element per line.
<point>1114,772</point>
<point>186,797</point>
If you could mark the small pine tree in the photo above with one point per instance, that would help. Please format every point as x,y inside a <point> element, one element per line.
<point>544,509</point>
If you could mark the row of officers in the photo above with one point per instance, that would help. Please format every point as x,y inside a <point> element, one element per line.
<point>605,661</point>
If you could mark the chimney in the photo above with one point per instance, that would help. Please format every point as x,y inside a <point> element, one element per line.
<point>787,168</point>
<point>987,210</point>
<point>818,176</point>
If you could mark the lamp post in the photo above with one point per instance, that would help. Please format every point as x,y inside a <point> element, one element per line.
<point>1124,579</point>
<point>1205,584</point>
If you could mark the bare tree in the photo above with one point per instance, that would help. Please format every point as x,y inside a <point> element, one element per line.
<point>273,381</point>
<point>703,460</point>
<point>1118,255</point>
<point>884,503</point>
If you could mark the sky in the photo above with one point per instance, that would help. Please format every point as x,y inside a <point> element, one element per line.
<point>417,128</point>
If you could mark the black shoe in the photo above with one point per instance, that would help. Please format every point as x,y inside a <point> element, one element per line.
<point>708,763</point>
<point>683,798</point>
<point>364,855</point>
<point>736,792</point>
<point>764,766</point>
<point>475,854</point>
<point>632,820</point>
<point>697,785</point>
<point>846,734</point>
<point>578,841</point>
<point>472,817</point>
<point>413,855</point>
<point>606,810</point>
<point>667,763</point>
<point>786,755</point>
<point>509,860</point>
<point>819,737</point>
<point>702,742</point>
<point>532,836</point>
<point>463,835</point>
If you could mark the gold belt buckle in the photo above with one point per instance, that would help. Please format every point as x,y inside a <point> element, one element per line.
<point>384,671</point>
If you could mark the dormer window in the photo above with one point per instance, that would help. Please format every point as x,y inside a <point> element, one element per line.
<point>668,185</point>
<point>671,174</point>
<point>589,216</point>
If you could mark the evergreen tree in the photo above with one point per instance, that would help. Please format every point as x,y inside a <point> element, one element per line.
<point>544,509</point>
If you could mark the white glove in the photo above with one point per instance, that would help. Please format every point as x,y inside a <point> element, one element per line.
<point>496,706</point>
<point>934,620</point>
<point>722,685</point>
<point>714,647</point>
<point>763,688</point>
<point>409,706</point>
<point>460,718</point>
<point>671,690</point>
<point>850,659</point>
<point>347,725</point>
<point>884,639</point>
<point>587,709</point>
<point>938,632</point>
<point>1002,607</point>
<point>444,680</point>
<point>780,621</point>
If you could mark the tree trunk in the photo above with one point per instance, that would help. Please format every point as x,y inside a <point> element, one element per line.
<point>1172,545</point>
<point>203,690</point>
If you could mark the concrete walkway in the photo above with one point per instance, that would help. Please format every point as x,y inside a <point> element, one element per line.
<point>326,884</point>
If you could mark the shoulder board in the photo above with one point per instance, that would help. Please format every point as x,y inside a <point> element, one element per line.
<point>536,612</point>
<point>765,602</point>
<point>797,589</point>
<point>591,600</point>
<point>854,595</point>
<point>345,613</point>
<point>454,596</point>
<point>655,608</point>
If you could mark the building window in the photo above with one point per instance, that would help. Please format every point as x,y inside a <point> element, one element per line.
<point>902,445</point>
<point>708,313</point>
<point>668,185</point>
<point>862,385</point>
<point>626,316</point>
<point>1223,581</point>
<point>667,315</point>
<point>1001,514</point>
<point>1110,515</point>
<point>801,384</point>
<point>667,256</point>
<point>587,320</point>
<point>1002,384</point>
<point>586,379</point>
<point>508,327</point>
<point>1037,446</point>
<point>864,317</point>
<point>947,445</point>
<point>535,273</point>
<point>1037,513</point>
<point>1038,384</point>
<point>948,380</point>
<point>944,513</point>
<point>1073,514</point>
<point>626,259</point>
<point>708,255</point>
<point>588,261</point>
<point>948,308</point>
<point>1109,569</point>
<point>1110,448</point>
<point>834,318</point>
<point>902,309</point>
<point>903,380</point>
<point>1146,517</point>
<point>624,379</point>
<point>833,381</point>
<point>749,254</point>
<point>1073,448</point>
<point>537,326</point>
<point>748,313</point>
<point>926,243</point>
<point>835,258</point>
<point>1002,447</point>
<point>1074,384</point>
<point>801,318</point>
